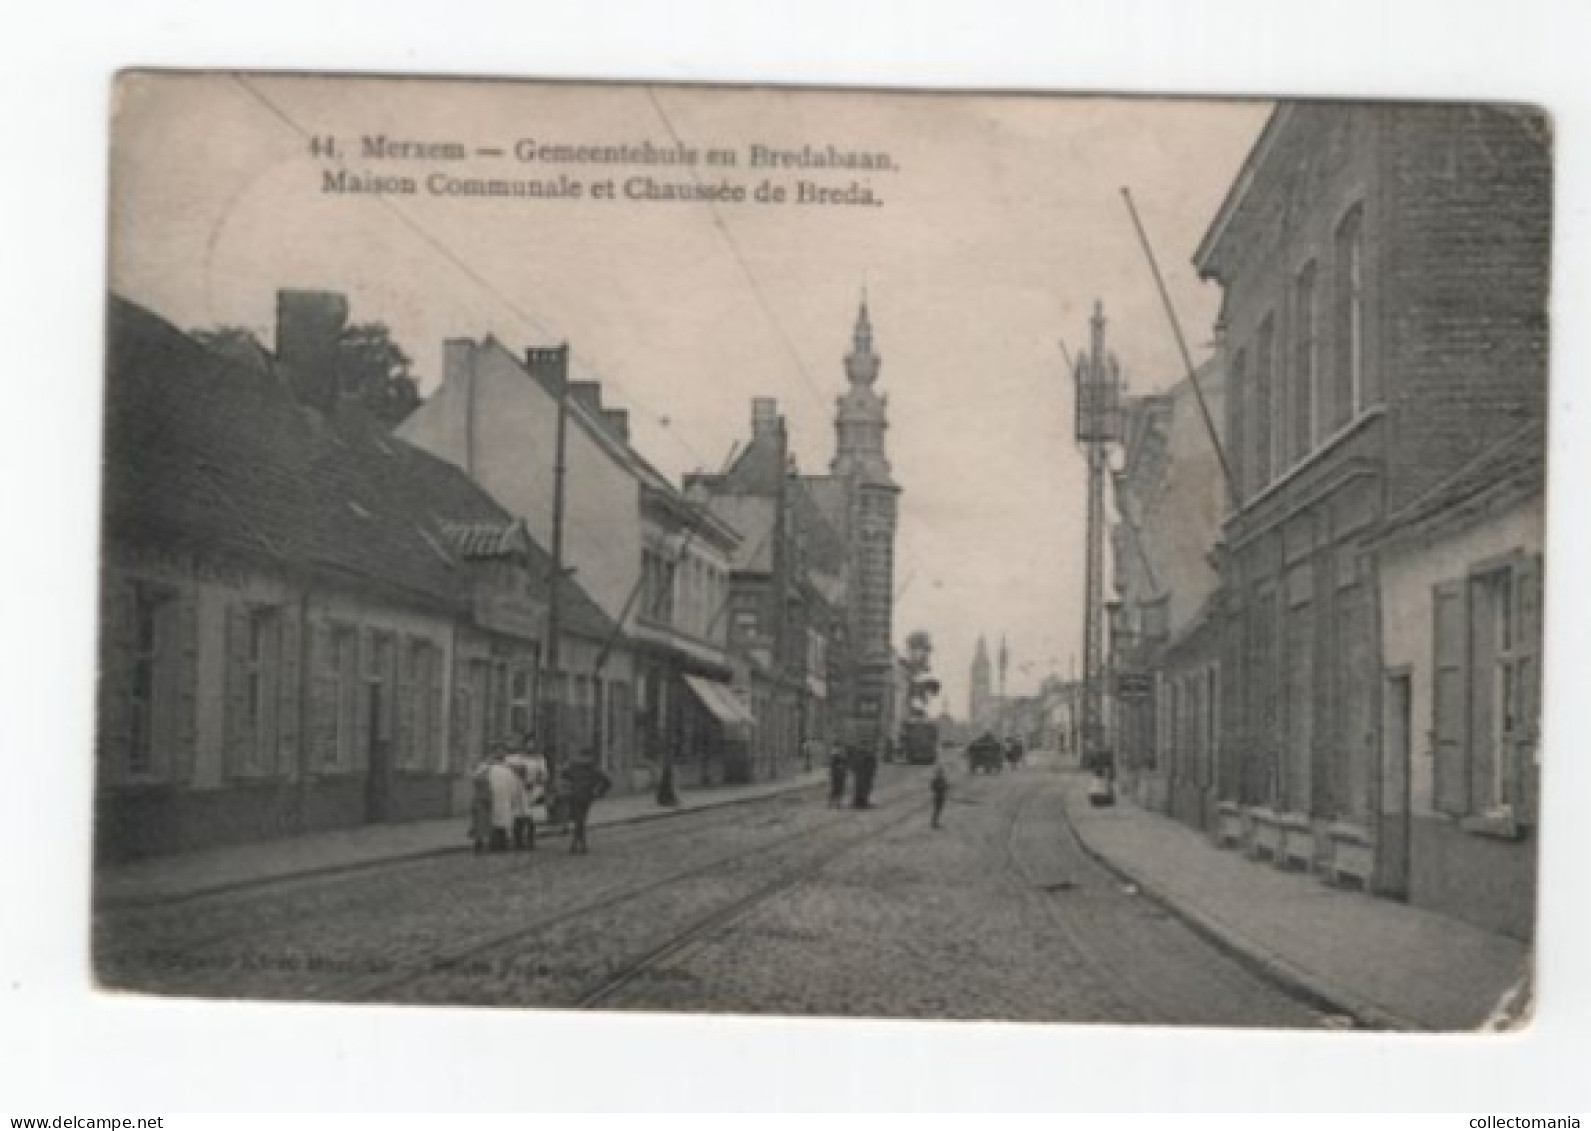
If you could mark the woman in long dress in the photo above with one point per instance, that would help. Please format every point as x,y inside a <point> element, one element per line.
<point>508,799</point>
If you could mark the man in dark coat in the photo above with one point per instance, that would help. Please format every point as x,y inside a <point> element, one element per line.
<point>839,769</point>
<point>584,783</point>
<point>940,786</point>
<point>865,767</point>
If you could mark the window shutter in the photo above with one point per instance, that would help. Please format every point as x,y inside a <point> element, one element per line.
<point>118,642</point>
<point>1527,731</point>
<point>186,678</point>
<point>433,689</point>
<point>407,678</point>
<point>458,724</point>
<point>238,734</point>
<point>288,691</point>
<point>1450,698</point>
<point>361,701</point>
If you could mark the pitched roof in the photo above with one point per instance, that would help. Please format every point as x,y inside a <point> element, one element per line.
<point>1512,469</point>
<point>656,487</point>
<point>207,454</point>
<point>752,516</point>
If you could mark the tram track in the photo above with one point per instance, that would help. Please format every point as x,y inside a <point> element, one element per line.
<point>446,961</point>
<point>720,920</point>
<point>1108,976</point>
<point>488,872</point>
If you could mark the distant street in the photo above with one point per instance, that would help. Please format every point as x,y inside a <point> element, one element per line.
<point>779,905</point>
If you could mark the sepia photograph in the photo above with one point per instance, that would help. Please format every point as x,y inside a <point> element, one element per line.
<point>822,552</point>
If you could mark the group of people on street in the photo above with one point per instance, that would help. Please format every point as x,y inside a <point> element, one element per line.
<point>514,780</point>
<point>861,766</point>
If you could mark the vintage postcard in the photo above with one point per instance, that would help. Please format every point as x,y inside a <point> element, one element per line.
<point>823,552</point>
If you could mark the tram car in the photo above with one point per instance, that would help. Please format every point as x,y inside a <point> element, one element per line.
<point>919,742</point>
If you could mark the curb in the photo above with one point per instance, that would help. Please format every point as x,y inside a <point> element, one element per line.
<point>661,813</point>
<point>1312,990</point>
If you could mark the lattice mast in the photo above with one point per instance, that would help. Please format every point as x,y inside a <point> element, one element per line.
<point>1098,381</point>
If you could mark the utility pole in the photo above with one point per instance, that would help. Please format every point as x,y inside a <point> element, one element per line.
<point>1098,426</point>
<point>554,362</point>
<point>783,663</point>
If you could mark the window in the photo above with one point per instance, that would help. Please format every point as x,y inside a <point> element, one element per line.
<point>420,706</point>
<point>521,701</point>
<point>335,696</point>
<point>1348,378</point>
<point>1495,672</point>
<point>1485,689</point>
<point>254,646</point>
<point>1262,441</point>
<point>150,700</point>
<point>1304,351</point>
<point>1237,400</point>
<point>657,581</point>
<point>1212,724</point>
<point>498,701</point>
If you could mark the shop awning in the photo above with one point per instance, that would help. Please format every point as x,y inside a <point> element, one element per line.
<point>721,700</point>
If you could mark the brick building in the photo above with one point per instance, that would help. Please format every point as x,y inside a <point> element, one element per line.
<point>1170,500</point>
<point>787,586</point>
<point>1384,272</point>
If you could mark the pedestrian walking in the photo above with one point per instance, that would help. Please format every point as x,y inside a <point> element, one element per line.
<point>584,784</point>
<point>864,767</point>
<point>940,787</point>
<point>481,807</point>
<point>839,769</point>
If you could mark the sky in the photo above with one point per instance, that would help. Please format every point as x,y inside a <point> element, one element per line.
<point>1001,222</point>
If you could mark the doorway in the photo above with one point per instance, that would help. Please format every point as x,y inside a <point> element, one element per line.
<point>1395,833</point>
<point>378,729</point>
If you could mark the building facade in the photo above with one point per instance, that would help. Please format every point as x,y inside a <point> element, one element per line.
<point>1461,638</point>
<point>1170,496</point>
<point>655,563</point>
<point>1384,275</point>
<point>782,625</point>
<point>308,624</point>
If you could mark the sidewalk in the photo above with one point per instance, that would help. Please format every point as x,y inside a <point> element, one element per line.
<point>1384,963</point>
<point>198,873</point>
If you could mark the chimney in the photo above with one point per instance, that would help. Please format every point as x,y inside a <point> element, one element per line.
<point>765,419</point>
<point>549,365</point>
<point>458,360</point>
<point>587,394</point>
<point>458,371</point>
<point>618,422</point>
<point>309,326</point>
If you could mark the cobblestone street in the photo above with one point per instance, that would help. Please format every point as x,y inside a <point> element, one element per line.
<point>778,905</point>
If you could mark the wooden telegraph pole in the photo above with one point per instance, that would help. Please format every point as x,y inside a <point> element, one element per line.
<point>554,362</point>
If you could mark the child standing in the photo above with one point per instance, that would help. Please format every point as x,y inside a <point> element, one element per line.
<point>940,785</point>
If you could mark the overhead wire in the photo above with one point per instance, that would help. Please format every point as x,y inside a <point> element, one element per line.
<point>580,358</point>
